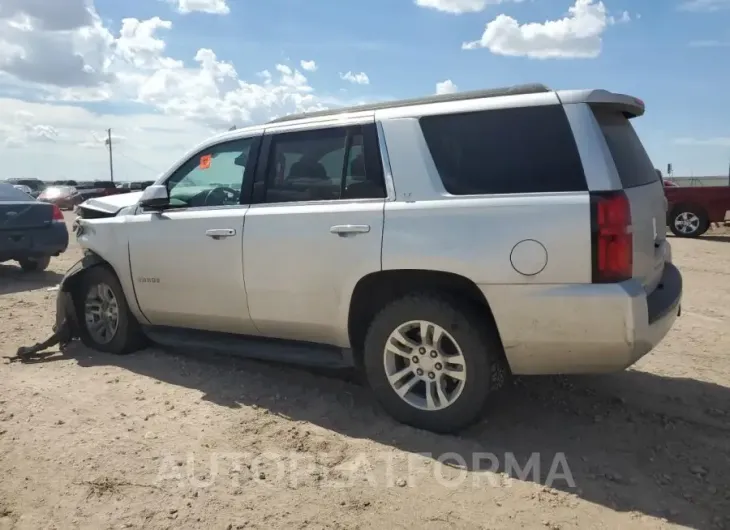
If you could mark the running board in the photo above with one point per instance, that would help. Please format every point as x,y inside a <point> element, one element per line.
<point>277,350</point>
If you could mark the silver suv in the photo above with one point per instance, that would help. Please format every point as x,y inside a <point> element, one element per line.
<point>440,244</point>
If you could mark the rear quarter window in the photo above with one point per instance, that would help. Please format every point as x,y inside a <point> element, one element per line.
<point>9,193</point>
<point>633,164</point>
<point>505,151</point>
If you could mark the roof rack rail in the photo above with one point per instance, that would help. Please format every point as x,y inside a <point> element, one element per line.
<point>532,88</point>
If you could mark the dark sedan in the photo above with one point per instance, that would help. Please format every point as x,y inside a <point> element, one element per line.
<point>31,231</point>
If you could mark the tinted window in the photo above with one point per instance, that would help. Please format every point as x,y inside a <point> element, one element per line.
<point>518,150</point>
<point>212,177</point>
<point>9,193</point>
<point>632,163</point>
<point>326,164</point>
<point>31,183</point>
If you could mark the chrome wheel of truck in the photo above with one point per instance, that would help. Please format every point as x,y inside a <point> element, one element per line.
<point>424,365</point>
<point>101,313</point>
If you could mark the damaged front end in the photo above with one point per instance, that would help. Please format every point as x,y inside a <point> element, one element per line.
<point>67,326</point>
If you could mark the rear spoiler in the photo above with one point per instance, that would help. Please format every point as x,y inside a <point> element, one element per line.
<point>630,106</point>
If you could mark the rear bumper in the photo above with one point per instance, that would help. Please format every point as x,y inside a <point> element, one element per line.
<point>35,243</point>
<point>586,328</point>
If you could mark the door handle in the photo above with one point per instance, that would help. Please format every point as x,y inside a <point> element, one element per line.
<point>220,233</point>
<point>346,230</point>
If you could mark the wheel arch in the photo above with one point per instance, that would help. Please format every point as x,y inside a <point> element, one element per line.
<point>93,259</point>
<point>686,206</point>
<point>373,291</point>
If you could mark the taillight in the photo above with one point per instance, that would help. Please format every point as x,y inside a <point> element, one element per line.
<point>611,238</point>
<point>57,214</point>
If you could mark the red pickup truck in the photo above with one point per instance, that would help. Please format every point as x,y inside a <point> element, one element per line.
<point>690,210</point>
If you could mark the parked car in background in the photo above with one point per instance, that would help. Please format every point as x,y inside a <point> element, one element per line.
<point>366,237</point>
<point>690,209</point>
<point>65,183</point>
<point>136,186</point>
<point>36,185</point>
<point>31,231</point>
<point>101,187</point>
<point>61,196</point>
<point>23,188</point>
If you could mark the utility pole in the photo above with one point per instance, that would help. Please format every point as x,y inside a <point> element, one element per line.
<point>111,160</point>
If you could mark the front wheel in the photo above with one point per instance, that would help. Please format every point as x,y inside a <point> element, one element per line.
<point>107,323</point>
<point>431,362</point>
<point>688,222</point>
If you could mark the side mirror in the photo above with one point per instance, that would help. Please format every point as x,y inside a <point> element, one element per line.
<point>155,197</point>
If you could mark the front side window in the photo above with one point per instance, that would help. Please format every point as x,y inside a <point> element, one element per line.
<point>212,177</point>
<point>326,164</point>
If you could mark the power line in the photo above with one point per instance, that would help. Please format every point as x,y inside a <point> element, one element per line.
<point>137,162</point>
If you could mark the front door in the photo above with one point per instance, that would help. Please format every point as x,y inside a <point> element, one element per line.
<point>187,261</point>
<point>315,230</point>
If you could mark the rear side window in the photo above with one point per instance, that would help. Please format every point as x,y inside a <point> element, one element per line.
<point>632,163</point>
<point>517,150</point>
<point>9,193</point>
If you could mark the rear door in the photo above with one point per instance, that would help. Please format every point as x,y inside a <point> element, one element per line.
<point>314,230</point>
<point>645,191</point>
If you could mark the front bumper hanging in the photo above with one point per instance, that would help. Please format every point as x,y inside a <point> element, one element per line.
<point>66,328</point>
<point>63,330</point>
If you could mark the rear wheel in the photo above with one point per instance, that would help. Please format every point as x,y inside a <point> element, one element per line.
<point>35,264</point>
<point>431,362</point>
<point>688,222</point>
<point>107,323</point>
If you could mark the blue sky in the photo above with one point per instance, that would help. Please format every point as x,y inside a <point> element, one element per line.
<point>670,54</point>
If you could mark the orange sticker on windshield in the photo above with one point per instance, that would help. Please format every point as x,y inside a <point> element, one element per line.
<point>205,161</point>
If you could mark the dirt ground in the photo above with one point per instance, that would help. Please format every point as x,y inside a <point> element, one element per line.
<point>165,440</point>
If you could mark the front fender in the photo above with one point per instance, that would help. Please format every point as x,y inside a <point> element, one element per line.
<point>65,305</point>
<point>72,275</point>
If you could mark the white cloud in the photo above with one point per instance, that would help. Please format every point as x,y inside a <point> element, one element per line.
<point>61,43</point>
<point>357,79</point>
<point>458,7</point>
<point>23,130</point>
<point>138,45</point>
<point>704,5</point>
<point>708,44</point>
<point>577,35</point>
<point>446,87</point>
<point>174,104</point>
<point>717,141</point>
<point>214,7</point>
<point>56,15</point>
<point>309,66</point>
<point>60,141</point>
<point>623,18</point>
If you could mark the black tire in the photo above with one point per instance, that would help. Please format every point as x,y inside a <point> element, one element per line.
<point>128,337</point>
<point>35,264</point>
<point>480,347</point>
<point>703,226</point>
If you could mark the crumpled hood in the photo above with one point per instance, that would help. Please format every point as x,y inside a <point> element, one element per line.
<point>111,204</point>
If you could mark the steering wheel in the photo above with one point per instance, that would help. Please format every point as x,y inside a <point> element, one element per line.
<point>225,193</point>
